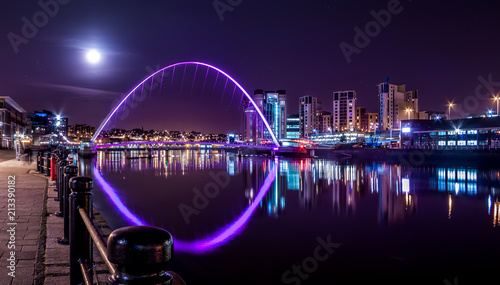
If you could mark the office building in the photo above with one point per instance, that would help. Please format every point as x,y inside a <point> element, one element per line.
<point>471,133</point>
<point>47,123</point>
<point>344,107</point>
<point>372,121</point>
<point>272,104</point>
<point>293,126</point>
<point>308,105</point>
<point>324,121</point>
<point>395,104</point>
<point>12,122</point>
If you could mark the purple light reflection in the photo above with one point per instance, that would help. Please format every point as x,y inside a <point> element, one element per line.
<point>111,192</point>
<point>202,245</point>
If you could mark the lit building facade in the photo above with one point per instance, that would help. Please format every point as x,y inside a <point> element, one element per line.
<point>308,105</point>
<point>272,104</point>
<point>81,131</point>
<point>324,121</point>
<point>372,121</point>
<point>344,107</point>
<point>293,127</point>
<point>395,104</point>
<point>470,133</point>
<point>45,123</point>
<point>12,122</point>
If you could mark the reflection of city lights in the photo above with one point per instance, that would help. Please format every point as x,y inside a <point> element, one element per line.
<point>450,204</point>
<point>406,185</point>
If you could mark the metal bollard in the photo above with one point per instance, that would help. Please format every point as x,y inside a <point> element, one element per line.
<point>53,167</point>
<point>140,254</point>
<point>41,162</point>
<point>47,164</point>
<point>70,171</point>
<point>38,162</point>
<point>60,180</point>
<point>80,243</point>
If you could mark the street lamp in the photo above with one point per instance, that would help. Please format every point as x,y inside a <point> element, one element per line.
<point>450,105</point>
<point>408,111</point>
<point>497,99</point>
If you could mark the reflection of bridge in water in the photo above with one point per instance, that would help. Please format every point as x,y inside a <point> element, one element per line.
<point>398,189</point>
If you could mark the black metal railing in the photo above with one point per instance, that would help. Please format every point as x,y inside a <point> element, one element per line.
<point>133,255</point>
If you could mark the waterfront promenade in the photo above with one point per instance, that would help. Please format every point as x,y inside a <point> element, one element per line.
<point>39,258</point>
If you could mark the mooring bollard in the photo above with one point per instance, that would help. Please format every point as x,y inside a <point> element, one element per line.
<point>53,167</point>
<point>70,171</point>
<point>80,243</point>
<point>60,185</point>
<point>38,161</point>
<point>58,168</point>
<point>141,255</point>
<point>47,164</point>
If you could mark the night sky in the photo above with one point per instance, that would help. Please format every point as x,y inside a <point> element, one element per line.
<point>440,48</point>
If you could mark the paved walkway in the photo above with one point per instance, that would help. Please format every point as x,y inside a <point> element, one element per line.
<point>27,221</point>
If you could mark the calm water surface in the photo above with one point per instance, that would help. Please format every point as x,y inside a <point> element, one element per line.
<point>255,220</point>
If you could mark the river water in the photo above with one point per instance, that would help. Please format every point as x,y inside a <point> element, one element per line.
<point>256,220</point>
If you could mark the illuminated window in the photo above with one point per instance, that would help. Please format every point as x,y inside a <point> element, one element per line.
<point>451,143</point>
<point>473,132</point>
<point>461,143</point>
<point>442,143</point>
<point>472,143</point>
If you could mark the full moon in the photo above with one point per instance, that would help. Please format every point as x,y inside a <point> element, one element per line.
<point>93,56</point>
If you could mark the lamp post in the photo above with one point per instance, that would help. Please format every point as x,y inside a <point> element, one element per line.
<point>497,99</point>
<point>450,105</point>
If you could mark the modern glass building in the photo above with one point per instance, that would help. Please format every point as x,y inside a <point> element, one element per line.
<point>272,104</point>
<point>470,133</point>
<point>293,126</point>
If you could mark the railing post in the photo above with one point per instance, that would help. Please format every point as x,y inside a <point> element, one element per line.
<point>47,163</point>
<point>140,254</point>
<point>41,162</point>
<point>69,172</point>
<point>38,162</point>
<point>60,180</point>
<point>80,244</point>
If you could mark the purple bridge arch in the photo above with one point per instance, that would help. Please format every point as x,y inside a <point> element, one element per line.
<point>124,100</point>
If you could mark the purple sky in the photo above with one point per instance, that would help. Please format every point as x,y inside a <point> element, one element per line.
<point>437,47</point>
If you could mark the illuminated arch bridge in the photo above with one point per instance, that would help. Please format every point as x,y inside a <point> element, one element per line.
<point>173,66</point>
